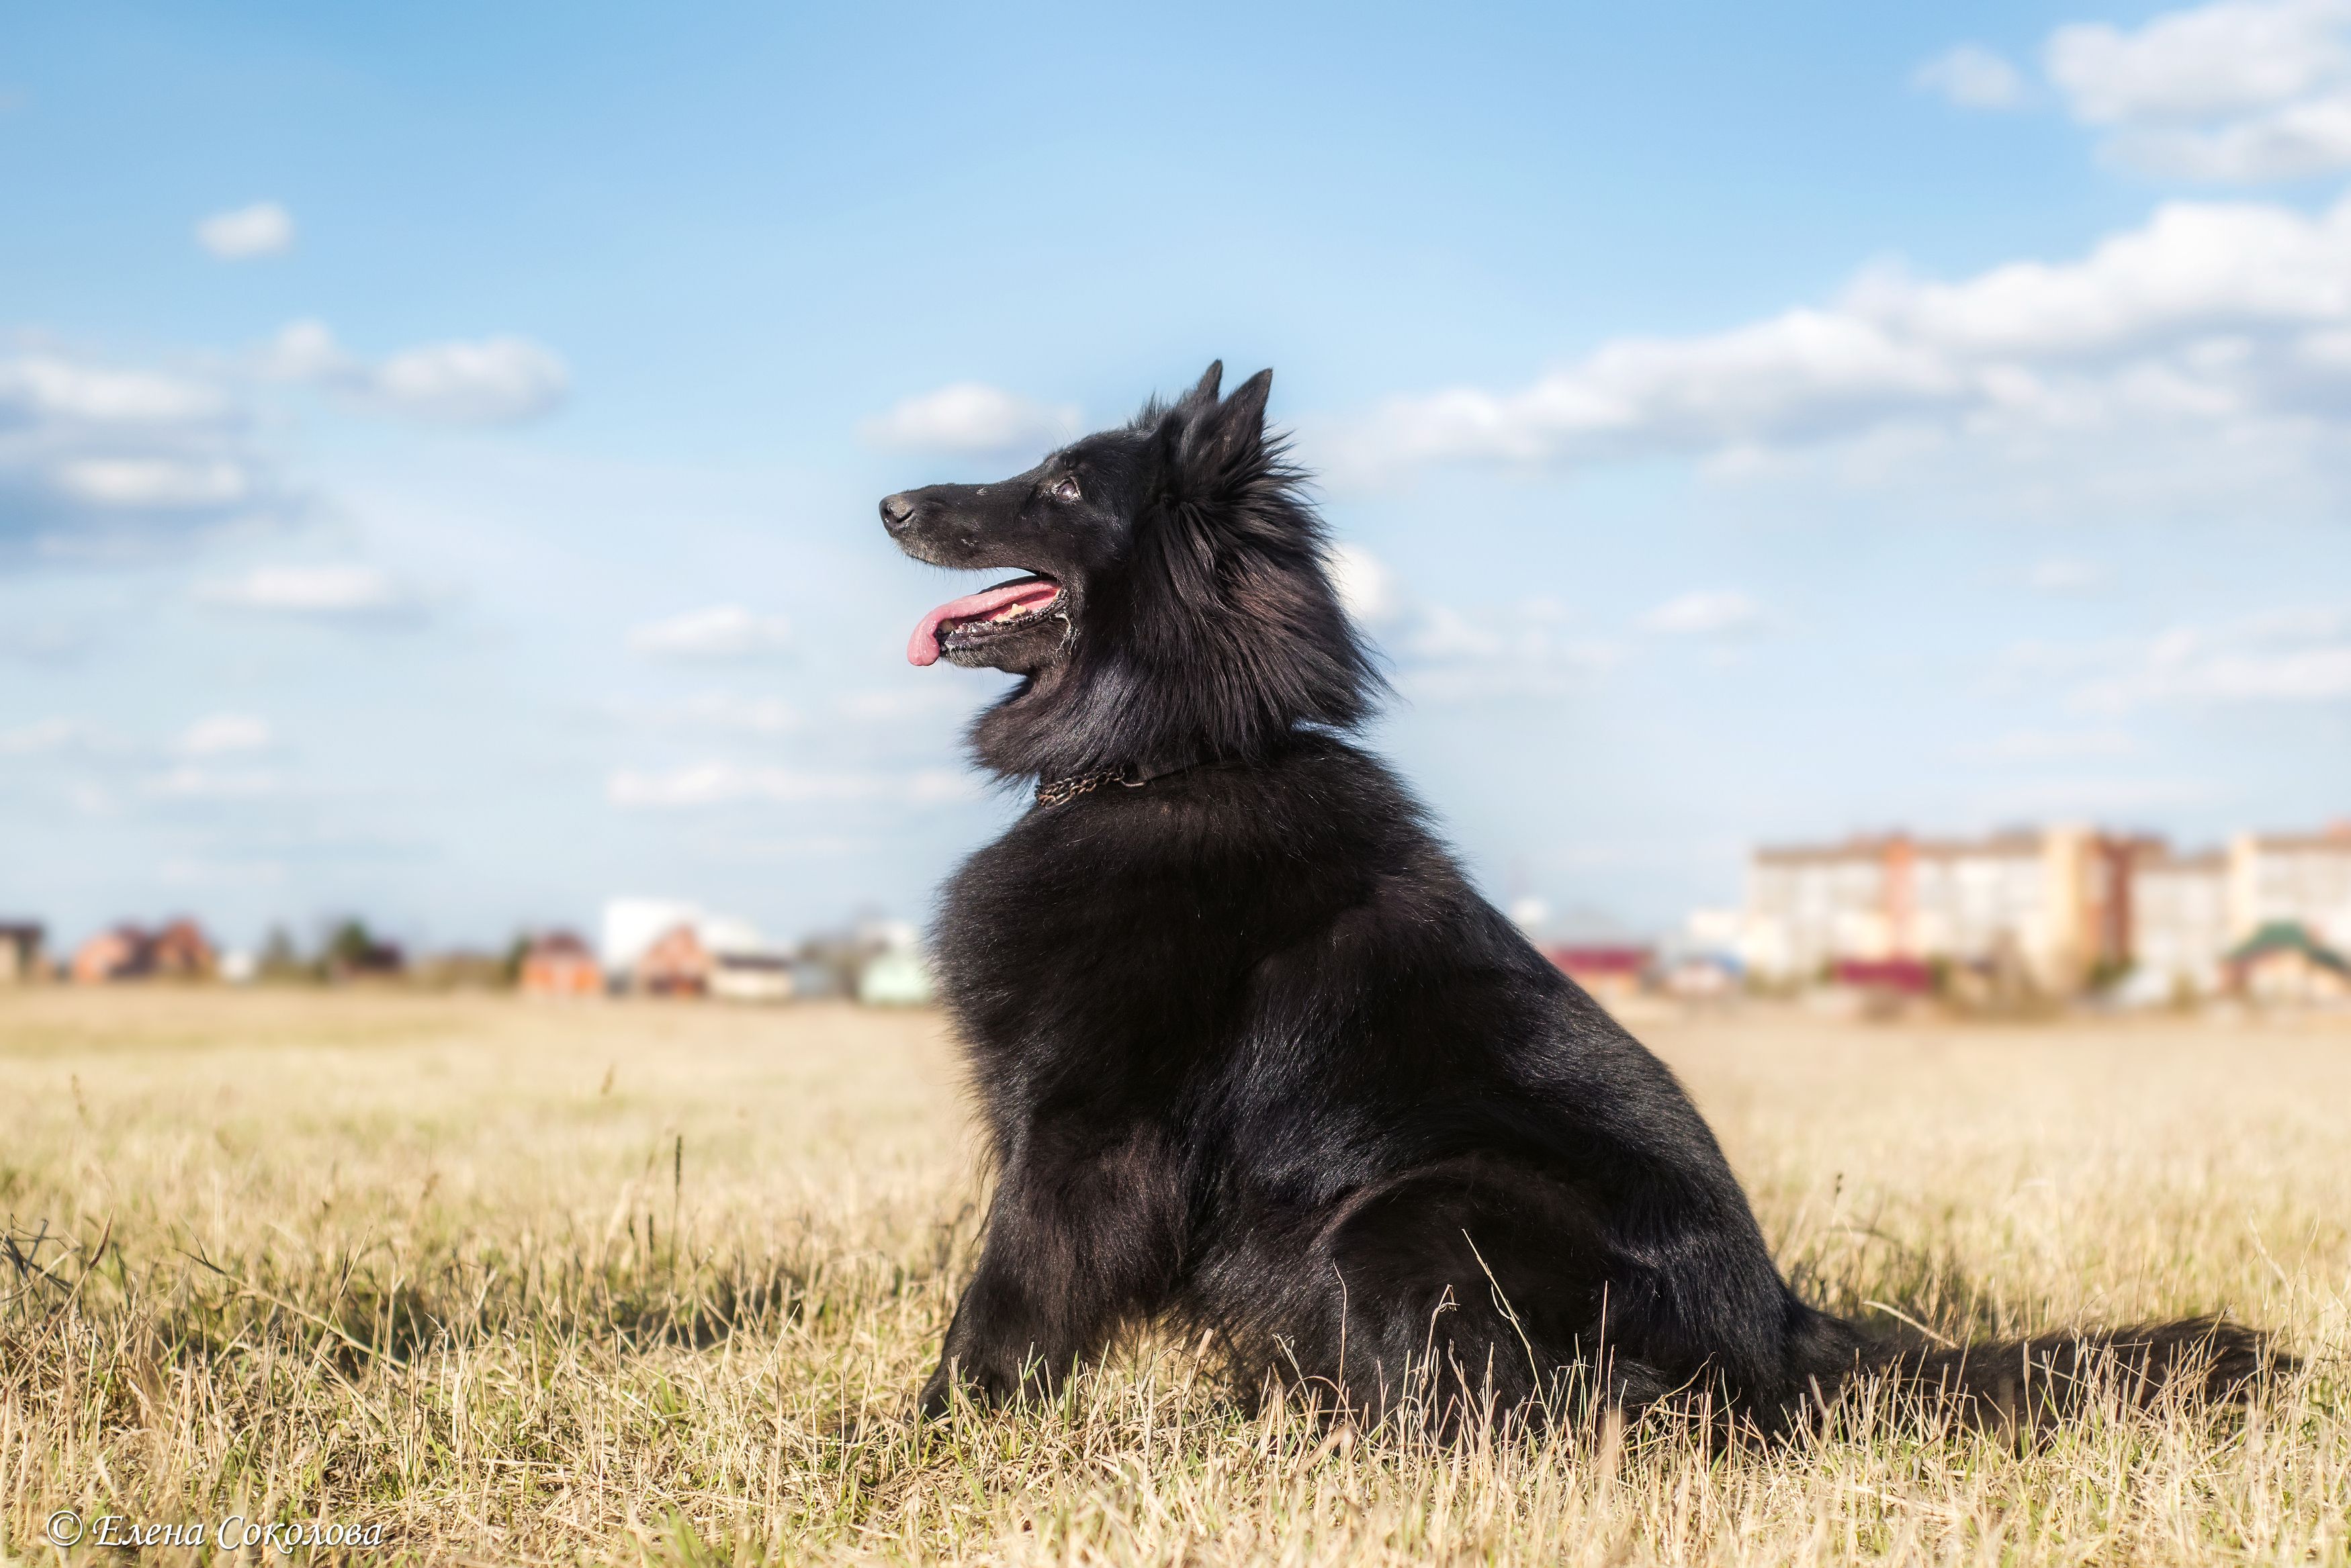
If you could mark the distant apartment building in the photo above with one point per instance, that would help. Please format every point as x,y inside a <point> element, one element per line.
<point>2056,901</point>
<point>2304,879</point>
<point>2194,915</point>
<point>2180,926</point>
<point>2063,904</point>
<point>1808,907</point>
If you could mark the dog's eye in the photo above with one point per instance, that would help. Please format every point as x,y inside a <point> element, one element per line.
<point>1065,488</point>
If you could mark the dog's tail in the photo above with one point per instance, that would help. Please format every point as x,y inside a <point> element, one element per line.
<point>2035,1382</point>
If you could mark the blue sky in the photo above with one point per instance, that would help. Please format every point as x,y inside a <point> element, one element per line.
<point>438,447</point>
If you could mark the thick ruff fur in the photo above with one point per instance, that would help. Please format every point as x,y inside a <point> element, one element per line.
<point>1255,1057</point>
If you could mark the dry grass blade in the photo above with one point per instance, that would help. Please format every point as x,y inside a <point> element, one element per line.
<point>405,1261</point>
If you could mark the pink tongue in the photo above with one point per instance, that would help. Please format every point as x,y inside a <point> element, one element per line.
<point>923,647</point>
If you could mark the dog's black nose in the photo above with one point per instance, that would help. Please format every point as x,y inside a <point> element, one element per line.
<point>896,511</point>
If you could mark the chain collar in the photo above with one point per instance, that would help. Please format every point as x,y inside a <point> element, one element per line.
<point>1060,792</point>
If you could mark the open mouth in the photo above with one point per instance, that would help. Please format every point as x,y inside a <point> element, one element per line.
<point>980,617</point>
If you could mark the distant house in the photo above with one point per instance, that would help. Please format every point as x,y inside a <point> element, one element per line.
<point>179,950</point>
<point>743,966</point>
<point>182,952</point>
<point>896,977</point>
<point>1609,971</point>
<point>632,925</point>
<point>2283,963</point>
<point>1704,977</point>
<point>675,963</point>
<point>20,951</point>
<point>557,963</point>
<point>111,955</point>
<point>751,976</point>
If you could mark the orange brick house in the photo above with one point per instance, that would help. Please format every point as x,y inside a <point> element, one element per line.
<point>557,963</point>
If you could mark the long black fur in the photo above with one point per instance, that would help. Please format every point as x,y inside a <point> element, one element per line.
<point>1254,1058</point>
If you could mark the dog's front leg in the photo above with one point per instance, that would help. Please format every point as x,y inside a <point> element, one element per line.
<point>999,1338</point>
<point>1074,1248</point>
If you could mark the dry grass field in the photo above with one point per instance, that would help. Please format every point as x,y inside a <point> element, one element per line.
<point>505,1283</point>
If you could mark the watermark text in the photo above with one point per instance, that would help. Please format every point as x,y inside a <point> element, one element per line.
<point>67,1527</point>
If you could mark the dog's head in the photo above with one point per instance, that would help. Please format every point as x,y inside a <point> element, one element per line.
<point>1173,604</point>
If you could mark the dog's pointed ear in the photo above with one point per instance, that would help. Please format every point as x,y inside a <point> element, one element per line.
<point>1236,431</point>
<point>1205,390</point>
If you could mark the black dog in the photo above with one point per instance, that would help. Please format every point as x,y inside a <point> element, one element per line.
<point>1254,1056</point>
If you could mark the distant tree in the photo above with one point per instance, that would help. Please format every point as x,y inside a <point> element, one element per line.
<point>2108,972</point>
<point>351,950</point>
<point>281,961</point>
<point>347,945</point>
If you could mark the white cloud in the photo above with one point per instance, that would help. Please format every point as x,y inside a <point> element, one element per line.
<point>2051,745</point>
<point>1444,655</point>
<point>2225,317</point>
<point>492,381</point>
<point>305,351</point>
<point>1971,76</point>
<point>194,871</point>
<point>99,459</point>
<point>719,710</point>
<point>263,229</point>
<point>1706,612</point>
<point>718,632</point>
<point>894,707</point>
<point>720,783</point>
<point>161,483</point>
<point>2299,140</point>
<point>2205,60</point>
<point>2092,797</point>
<point>2243,90</point>
<point>1367,589</point>
<point>53,386</point>
<point>46,642</point>
<point>2058,575</point>
<point>1532,665</point>
<point>971,417</point>
<point>2292,655</point>
<point>196,781</point>
<point>325,592</point>
<point>50,737</point>
<point>217,734</point>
